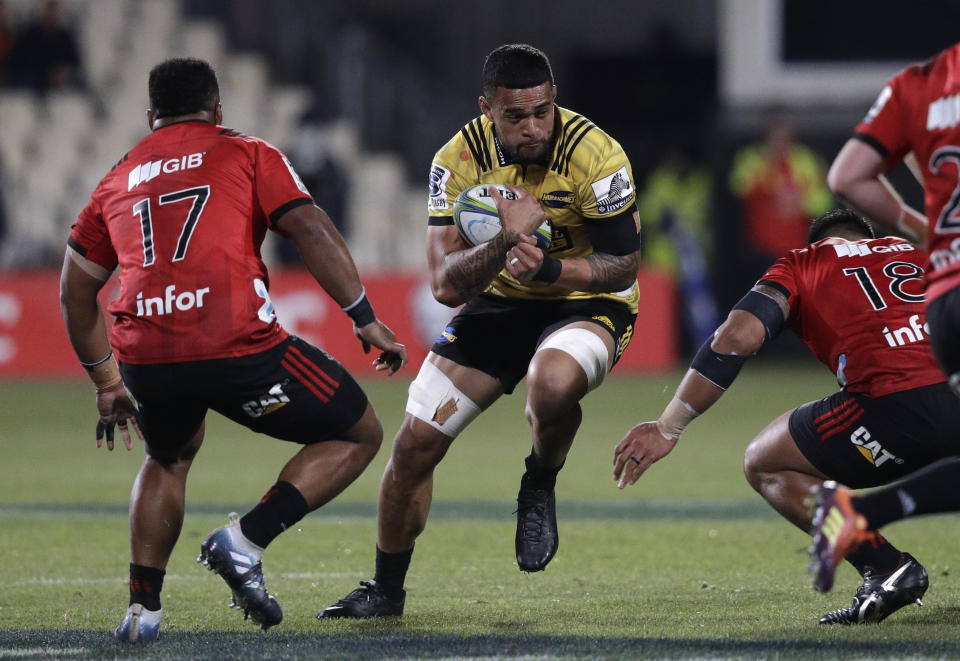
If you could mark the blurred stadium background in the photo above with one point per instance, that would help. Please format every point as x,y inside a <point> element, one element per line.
<point>361,94</point>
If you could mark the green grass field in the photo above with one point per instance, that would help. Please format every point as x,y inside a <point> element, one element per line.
<point>689,562</point>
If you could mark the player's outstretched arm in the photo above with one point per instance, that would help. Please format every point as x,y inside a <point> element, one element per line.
<point>327,258</point>
<point>856,177</point>
<point>458,272</point>
<point>758,316</point>
<point>88,335</point>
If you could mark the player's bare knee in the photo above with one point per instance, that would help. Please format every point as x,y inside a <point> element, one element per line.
<point>416,450</point>
<point>757,468</point>
<point>552,385</point>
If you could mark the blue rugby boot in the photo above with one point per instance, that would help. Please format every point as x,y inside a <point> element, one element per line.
<point>236,559</point>
<point>140,625</point>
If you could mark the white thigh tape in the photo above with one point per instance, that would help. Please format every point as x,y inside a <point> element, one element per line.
<point>434,399</point>
<point>586,348</point>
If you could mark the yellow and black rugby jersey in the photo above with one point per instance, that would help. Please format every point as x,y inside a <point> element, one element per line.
<point>588,177</point>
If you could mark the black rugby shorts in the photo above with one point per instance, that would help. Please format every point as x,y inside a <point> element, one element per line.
<point>943,319</point>
<point>862,442</point>
<point>499,335</point>
<point>293,391</point>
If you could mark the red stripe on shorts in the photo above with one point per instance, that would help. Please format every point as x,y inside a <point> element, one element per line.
<point>839,419</point>
<point>305,370</point>
<point>840,428</point>
<point>313,366</point>
<point>302,378</point>
<point>834,411</point>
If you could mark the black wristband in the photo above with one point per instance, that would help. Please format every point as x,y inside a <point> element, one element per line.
<point>549,271</point>
<point>362,313</point>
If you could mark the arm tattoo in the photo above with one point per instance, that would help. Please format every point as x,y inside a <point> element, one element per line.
<point>471,271</point>
<point>610,273</point>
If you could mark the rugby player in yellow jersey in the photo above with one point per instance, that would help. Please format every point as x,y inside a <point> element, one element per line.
<point>560,319</point>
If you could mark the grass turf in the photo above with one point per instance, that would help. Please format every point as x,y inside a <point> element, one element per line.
<point>687,563</point>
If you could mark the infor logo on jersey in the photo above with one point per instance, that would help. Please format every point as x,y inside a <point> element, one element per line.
<point>151,169</point>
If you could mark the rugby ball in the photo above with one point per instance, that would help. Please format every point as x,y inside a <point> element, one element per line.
<point>475,215</point>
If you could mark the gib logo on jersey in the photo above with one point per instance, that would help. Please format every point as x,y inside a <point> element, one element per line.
<point>613,192</point>
<point>872,451</point>
<point>863,249</point>
<point>152,169</point>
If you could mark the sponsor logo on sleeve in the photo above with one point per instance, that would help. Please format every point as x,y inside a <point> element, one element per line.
<point>613,192</point>
<point>439,176</point>
<point>944,113</point>
<point>878,105</point>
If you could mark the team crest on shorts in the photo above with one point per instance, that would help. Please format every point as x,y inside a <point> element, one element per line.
<point>605,320</point>
<point>447,336</point>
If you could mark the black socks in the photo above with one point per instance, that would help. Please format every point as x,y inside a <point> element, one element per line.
<point>145,586</point>
<point>392,571</point>
<point>281,507</point>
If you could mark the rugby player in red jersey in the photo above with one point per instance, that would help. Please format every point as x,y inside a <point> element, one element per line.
<point>915,120</point>
<point>183,215</point>
<point>857,303</point>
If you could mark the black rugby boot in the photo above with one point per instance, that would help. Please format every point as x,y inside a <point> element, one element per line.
<point>881,596</point>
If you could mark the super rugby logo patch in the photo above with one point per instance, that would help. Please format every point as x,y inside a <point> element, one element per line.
<point>439,176</point>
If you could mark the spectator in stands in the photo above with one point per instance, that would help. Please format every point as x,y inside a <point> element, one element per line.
<point>45,55</point>
<point>781,185</point>
<point>674,218</point>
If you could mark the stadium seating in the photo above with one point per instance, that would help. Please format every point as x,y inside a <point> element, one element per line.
<point>54,150</point>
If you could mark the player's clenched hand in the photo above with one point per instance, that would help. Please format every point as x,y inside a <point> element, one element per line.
<point>641,447</point>
<point>377,334</point>
<point>520,216</point>
<point>116,408</point>
<point>524,259</point>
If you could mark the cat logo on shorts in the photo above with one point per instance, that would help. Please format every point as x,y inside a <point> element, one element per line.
<point>274,399</point>
<point>872,451</point>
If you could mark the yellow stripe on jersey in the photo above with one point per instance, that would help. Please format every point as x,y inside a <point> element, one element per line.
<point>588,177</point>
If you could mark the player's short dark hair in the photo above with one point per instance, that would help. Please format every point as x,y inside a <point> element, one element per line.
<point>182,86</point>
<point>845,219</point>
<point>515,66</point>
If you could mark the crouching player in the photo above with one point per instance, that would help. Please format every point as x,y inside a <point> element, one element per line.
<point>857,303</point>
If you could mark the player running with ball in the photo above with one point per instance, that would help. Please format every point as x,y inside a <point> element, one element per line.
<point>560,320</point>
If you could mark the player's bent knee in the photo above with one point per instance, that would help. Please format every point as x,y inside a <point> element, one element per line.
<point>435,400</point>
<point>586,348</point>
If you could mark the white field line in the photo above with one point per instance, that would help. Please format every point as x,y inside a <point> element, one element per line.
<point>42,652</point>
<point>87,580</point>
